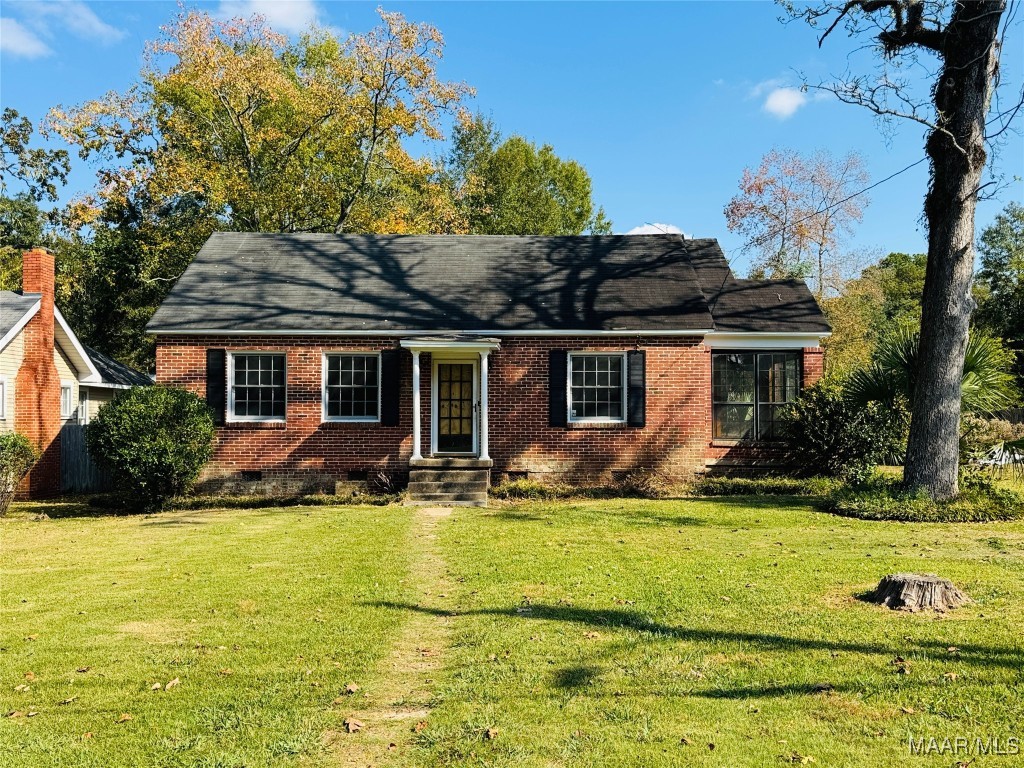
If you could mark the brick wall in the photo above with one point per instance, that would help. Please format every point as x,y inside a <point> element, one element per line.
<point>305,451</point>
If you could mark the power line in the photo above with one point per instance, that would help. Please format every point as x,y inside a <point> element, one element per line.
<point>820,211</point>
<point>769,235</point>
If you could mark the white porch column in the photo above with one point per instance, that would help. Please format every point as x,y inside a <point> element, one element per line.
<point>416,405</point>
<point>483,403</point>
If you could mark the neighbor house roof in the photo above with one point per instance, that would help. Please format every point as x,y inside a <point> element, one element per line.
<point>94,368</point>
<point>15,310</point>
<point>316,283</point>
<point>117,374</point>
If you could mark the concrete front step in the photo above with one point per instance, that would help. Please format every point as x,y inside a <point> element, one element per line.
<point>450,462</point>
<point>448,475</point>
<point>420,486</point>
<point>480,496</point>
<point>449,481</point>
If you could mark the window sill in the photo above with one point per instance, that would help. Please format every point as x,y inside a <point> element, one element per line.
<point>596,424</point>
<point>719,443</point>
<point>255,424</point>
<point>343,422</point>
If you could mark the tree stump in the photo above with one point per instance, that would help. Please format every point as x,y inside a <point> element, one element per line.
<point>917,592</point>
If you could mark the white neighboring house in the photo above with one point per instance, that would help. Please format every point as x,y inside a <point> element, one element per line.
<point>48,378</point>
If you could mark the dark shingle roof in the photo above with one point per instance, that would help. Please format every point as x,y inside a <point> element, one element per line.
<point>246,282</point>
<point>784,306</point>
<point>13,307</point>
<point>113,372</point>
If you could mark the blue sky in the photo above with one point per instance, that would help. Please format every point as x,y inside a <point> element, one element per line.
<point>663,103</point>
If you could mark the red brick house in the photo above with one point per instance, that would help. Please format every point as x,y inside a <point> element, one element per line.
<point>449,359</point>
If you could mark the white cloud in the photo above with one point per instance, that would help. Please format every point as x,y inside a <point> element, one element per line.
<point>784,102</point>
<point>657,229</point>
<point>19,41</point>
<point>291,16</point>
<point>49,18</point>
<point>760,89</point>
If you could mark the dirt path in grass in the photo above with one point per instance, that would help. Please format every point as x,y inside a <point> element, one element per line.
<point>398,698</point>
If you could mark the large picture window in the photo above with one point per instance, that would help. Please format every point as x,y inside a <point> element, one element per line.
<point>257,388</point>
<point>351,387</point>
<point>749,391</point>
<point>597,387</point>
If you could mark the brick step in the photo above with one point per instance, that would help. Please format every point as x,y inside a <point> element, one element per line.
<point>449,486</point>
<point>450,462</point>
<point>449,475</point>
<point>440,498</point>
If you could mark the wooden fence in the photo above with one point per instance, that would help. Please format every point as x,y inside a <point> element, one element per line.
<point>78,473</point>
<point>1013,415</point>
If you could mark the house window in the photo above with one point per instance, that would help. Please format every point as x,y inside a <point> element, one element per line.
<point>749,392</point>
<point>257,389</point>
<point>3,397</point>
<point>83,406</point>
<point>351,387</point>
<point>597,387</point>
<point>66,393</point>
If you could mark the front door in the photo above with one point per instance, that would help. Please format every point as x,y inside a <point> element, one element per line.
<point>455,425</point>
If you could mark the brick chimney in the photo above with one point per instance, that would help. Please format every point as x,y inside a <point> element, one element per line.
<point>37,385</point>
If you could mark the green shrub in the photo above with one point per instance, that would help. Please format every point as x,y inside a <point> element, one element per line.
<point>154,441</point>
<point>883,498</point>
<point>17,456</point>
<point>830,435</point>
<point>763,486</point>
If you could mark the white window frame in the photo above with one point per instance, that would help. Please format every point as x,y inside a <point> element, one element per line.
<point>568,390</point>
<point>323,386</point>
<point>3,397</point>
<point>230,416</point>
<point>83,405</point>
<point>69,387</point>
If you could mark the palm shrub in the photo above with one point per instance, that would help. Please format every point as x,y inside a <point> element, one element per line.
<point>154,441</point>
<point>891,377</point>
<point>17,456</point>
<point>830,435</point>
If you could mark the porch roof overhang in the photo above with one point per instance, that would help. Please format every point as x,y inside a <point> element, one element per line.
<point>453,342</point>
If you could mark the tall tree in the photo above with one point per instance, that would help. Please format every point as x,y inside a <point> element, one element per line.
<point>1001,280</point>
<point>38,170</point>
<point>964,40</point>
<point>886,294</point>
<point>794,210</point>
<point>271,135</point>
<point>513,187</point>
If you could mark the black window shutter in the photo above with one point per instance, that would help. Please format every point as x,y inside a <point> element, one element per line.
<point>558,362</point>
<point>217,383</point>
<point>390,389</point>
<point>636,389</point>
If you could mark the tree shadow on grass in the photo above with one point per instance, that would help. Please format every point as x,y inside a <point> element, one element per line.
<point>576,677</point>
<point>66,507</point>
<point>982,656</point>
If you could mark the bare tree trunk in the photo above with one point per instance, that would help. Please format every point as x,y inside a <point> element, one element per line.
<point>956,148</point>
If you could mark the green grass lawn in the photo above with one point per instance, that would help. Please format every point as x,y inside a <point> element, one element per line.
<point>606,633</point>
<point>263,616</point>
<point>600,633</point>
